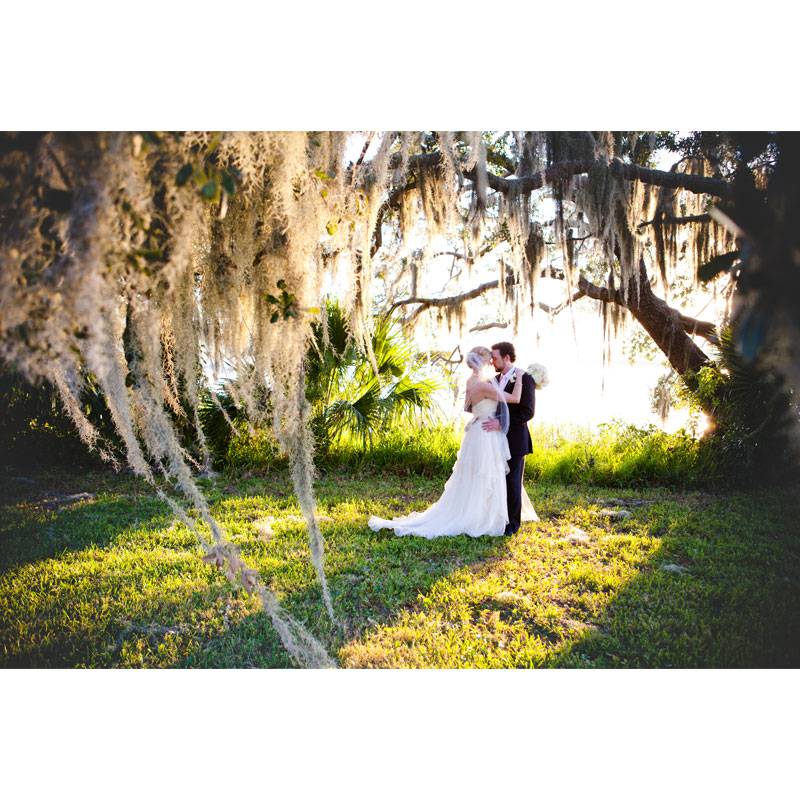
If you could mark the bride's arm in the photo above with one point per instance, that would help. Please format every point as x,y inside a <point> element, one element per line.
<point>514,396</point>
<point>467,400</point>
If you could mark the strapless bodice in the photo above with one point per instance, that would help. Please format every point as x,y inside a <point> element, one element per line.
<point>484,409</point>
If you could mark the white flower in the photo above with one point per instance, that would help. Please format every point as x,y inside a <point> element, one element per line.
<point>539,374</point>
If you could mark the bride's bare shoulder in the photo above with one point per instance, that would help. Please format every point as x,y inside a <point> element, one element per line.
<point>484,389</point>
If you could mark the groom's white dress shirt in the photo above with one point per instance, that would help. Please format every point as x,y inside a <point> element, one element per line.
<point>503,380</point>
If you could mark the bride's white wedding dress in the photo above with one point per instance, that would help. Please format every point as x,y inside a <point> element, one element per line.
<point>474,498</point>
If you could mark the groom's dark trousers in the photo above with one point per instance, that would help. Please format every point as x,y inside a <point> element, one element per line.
<point>516,465</point>
<point>519,444</point>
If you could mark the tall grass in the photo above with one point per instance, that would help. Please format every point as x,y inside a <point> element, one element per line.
<point>403,450</point>
<point>613,454</point>
<point>617,454</point>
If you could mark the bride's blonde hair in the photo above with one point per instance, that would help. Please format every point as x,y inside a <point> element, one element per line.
<point>478,357</point>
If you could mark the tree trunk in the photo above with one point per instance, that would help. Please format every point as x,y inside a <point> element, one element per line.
<point>668,328</point>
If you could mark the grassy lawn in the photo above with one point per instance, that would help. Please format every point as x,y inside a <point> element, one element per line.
<point>109,578</point>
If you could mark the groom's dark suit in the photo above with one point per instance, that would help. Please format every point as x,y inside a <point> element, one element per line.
<point>519,443</point>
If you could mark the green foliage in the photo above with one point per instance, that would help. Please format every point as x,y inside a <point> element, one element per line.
<point>350,403</point>
<point>217,430</point>
<point>211,180</point>
<point>753,414</point>
<point>348,397</point>
<point>256,452</point>
<point>615,454</point>
<point>619,454</point>
<point>401,450</point>
<point>284,306</point>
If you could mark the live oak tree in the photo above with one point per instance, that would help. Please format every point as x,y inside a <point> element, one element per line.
<point>640,242</point>
<point>615,223</point>
<point>129,259</point>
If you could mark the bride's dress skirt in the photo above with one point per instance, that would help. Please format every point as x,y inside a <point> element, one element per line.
<point>474,498</point>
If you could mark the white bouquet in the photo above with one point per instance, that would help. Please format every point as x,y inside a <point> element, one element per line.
<point>539,374</point>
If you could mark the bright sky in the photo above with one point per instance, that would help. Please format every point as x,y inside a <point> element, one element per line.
<point>582,392</point>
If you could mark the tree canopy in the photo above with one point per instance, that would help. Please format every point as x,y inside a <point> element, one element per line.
<point>131,259</point>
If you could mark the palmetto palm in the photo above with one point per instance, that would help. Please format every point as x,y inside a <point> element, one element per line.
<point>346,394</point>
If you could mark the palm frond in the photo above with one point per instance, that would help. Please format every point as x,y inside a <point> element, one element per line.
<point>359,416</point>
<point>216,429</point>
<point>346,394</point>
<point>408,398</point>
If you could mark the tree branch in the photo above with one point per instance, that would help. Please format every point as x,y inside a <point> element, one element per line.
<point>469,259</point>
<point>487,326</point>
<point>698,184</point>
<point>656,221</point>
<point>458,299</point>
<point>60,167</point>
<point>696,327</point>
<point>690,325</point>
<point>432,302</point>
<point>553,310</point>
<point>716,187</point>
<point>602,293</point>
<point>386,206</point>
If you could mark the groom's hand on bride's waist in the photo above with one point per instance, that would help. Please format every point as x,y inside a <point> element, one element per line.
<point>491,424</point>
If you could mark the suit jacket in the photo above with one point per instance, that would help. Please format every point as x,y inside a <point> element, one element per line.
<point>519,437</point>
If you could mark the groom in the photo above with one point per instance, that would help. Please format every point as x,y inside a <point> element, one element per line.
<point>519,438</point>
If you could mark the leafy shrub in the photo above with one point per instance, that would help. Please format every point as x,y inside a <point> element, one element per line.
<point>257,452</point>
<point>753,416</point>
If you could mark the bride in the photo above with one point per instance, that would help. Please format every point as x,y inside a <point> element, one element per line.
<point>474,498</point>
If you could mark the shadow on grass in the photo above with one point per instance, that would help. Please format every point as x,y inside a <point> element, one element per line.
<point>113,587</point>
<point>221,627</point>
<point>697,581</point>
<point>139,633</point>
<point>34,531</point>
<point>371,575</point>
<point>731,603</point>
<point>370,583</point>
<point>105,583</point>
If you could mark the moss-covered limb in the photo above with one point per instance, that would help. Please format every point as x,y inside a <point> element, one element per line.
<point>606,200</point>
<point>668,328</point>
<point>690,325</point>
<point>666,220</point>
<point>697,327</point>
<point>697,184</point>
<point>391,203</point>
<point>439,302</point>
<point>557,309</point>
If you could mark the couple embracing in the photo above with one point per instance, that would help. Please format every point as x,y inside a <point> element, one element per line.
<point>484,495</point>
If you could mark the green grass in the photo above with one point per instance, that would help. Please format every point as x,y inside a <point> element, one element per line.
<point>114,581</point>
